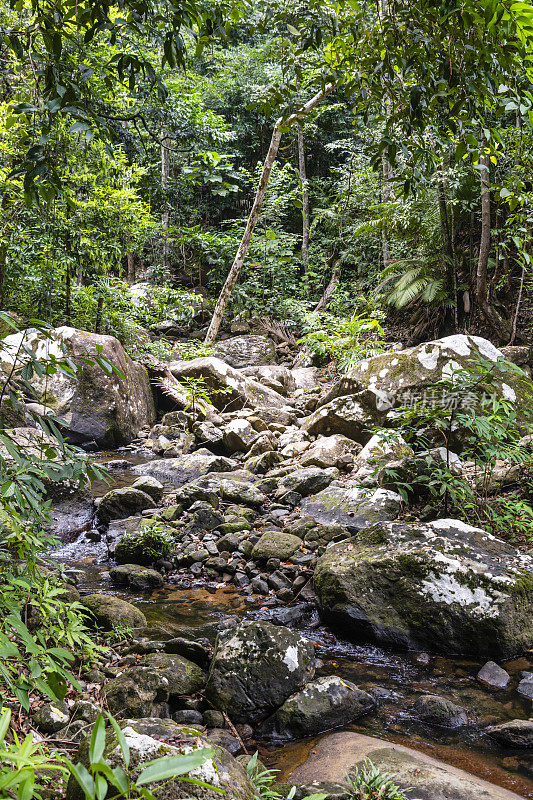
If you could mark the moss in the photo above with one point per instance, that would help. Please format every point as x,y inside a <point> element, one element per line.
<point>374,535</point>
<point>413,565</point>
<point>523,586</point>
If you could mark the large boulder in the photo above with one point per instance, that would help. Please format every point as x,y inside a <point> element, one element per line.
<point>321,705</point>
<point>352,506</point>
<point>108,612</point>
<point>230,487</point>
<point>275,377</point>
<point>340,754</point>
<point>256,667</point>
<point>182,676</point>
<point>401,378</point>
<point>246,351</point>
<point>151,738</point>
<point>443,585</point>
<point>228,389</point>
<point>328,451</point>
<point>136,577</point>
<point>122,503</point>
<point>517,733</point>
<point>347,415</point>
<point>111,409</point>
<point>305,481</point>
<point>182,469</point>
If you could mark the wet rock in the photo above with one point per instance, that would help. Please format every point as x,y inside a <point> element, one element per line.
<point>438,711</point>
<point>525,687</point>
<point>246,351</point>
<point>136,577</point>
<point>339,754</point>
<point>351,506</point>
<point>517,733</point>
<point>256,667</point>
<point>276,545</point>
<point>443,584</point>
<point>108,612</point>
<point>109,409</point>
<point>51,717</point>
<point>321,705</point>
<point>224,738</point>
<point>491,674</point>
<point>121,503</point>
<point>179,471</point>
<point>149,739</point>
<point>205,517</point>
<point>149,485</point>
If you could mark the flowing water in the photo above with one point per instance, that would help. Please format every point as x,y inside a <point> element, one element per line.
<point>401,678</point>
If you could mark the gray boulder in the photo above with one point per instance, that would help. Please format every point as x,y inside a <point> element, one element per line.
<point>305,481</point>
<point>321,705</point>
<point>122,503</point>
<point>328,451</point>
<point>228,389</point>
<point>397,378</point>
<point>185,468</point>
<point>276,545</point>
<point>345,415</point>
<point>445,585</point>
<point>246,351</point>
<point>111,409</point>
<point>275,377</point>
<point>352,506</point>
<point>230,487</point>
<point>256,667</point>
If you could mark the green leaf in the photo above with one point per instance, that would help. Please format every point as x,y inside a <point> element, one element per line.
<point>84,779</point>
<point>97,744</point>
<point>171,766</point>
<point>124,746</point>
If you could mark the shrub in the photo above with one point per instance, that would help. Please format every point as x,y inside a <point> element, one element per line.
<point>144,546</point>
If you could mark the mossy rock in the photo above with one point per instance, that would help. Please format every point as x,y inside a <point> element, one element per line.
<point>276,545</point>
<point>444,585</point>
<point>109,612</point>
<point>136,577</point>
<point>152,738</point>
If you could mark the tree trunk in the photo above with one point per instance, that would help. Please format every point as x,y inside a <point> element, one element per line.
<point>165,171</point>
<point>305,197</point>
<point>330,288</point>
<point>233,274</point>
<point>131,269</point>
<point>501,326</point>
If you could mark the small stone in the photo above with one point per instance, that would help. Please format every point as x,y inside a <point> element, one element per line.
<point>187,716</point>
<point>224,738</point>
<point>525,687</point>
<point>438,711</point>
<point>491,674</point>
<point>214,719</point>
<point>51,717</point>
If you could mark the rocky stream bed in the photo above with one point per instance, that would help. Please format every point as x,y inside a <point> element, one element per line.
<point>301,608</point>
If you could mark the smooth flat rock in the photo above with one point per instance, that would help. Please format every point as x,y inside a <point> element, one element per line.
<point>338,754</point>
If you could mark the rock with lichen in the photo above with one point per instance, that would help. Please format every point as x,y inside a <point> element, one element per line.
<point>444,585</point>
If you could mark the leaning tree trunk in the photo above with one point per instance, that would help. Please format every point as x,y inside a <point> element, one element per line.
<point>305,197</point>
<point>233,274</point>
<point>500,325</point>
<point>165,171</point>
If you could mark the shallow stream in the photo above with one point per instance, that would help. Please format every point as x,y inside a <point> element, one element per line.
<point>401,677</point>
